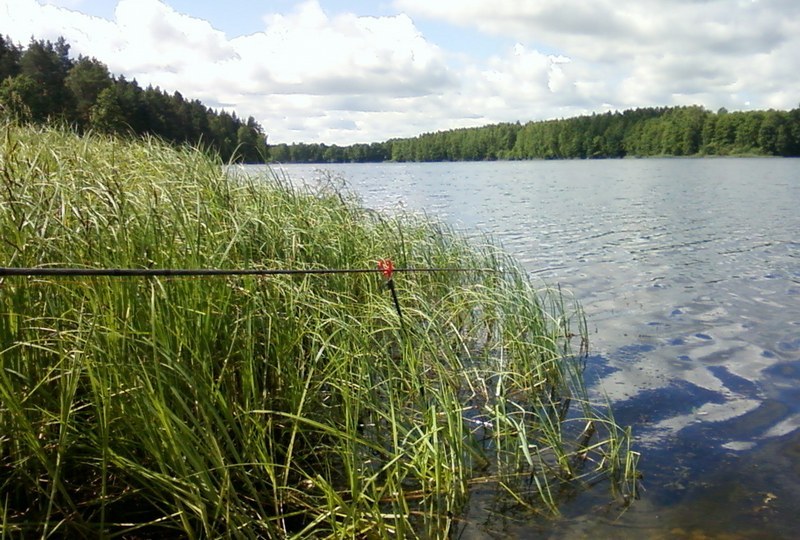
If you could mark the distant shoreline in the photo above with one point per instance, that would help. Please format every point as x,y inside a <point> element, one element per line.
<point>651,132</point>
<point>695,156</point>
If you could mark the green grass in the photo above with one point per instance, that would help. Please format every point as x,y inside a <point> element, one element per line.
<point>278,406</point>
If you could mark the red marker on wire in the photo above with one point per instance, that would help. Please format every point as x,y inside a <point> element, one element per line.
<point>387,269</point>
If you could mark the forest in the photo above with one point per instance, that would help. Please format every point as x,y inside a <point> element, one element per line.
<point>643,132</point>
<point>41,83</point>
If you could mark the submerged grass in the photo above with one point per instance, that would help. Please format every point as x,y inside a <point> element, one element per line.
<point>280,406</point>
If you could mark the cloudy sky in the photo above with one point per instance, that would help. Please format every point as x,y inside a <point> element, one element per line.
<point>345,71</point>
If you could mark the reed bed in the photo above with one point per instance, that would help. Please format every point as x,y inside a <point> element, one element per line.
<point>273,406</point>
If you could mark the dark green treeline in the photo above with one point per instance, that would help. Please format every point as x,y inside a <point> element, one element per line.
<point>664,131</point>
<point>42,83</point>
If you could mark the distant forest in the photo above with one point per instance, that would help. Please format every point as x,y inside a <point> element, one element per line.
<point>663,131</point>
<point>41,83</point>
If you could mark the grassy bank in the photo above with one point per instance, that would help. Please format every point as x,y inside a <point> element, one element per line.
<point>267,406</point>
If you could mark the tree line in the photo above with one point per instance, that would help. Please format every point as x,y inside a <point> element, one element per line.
<point>643,132</point>
<point>42,83</point>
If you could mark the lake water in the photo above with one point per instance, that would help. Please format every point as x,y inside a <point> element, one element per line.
<point>689,273</point>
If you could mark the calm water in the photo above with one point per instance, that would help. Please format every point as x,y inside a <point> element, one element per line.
<point>689,272</point>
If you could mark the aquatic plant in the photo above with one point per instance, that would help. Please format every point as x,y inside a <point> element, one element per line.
<point>280,406</point>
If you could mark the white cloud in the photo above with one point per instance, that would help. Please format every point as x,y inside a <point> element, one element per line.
<point>340,78</point>
<point>158,38</point>
<point>283,76</point>
<point>308,52</point>
<point>650,52</point>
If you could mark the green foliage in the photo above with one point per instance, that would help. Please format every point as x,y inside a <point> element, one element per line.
<point>43,84</point>
<point>665,131</point>
<point>47,64</point>
<point>677,131</point>
<point>118,109</point>
<point>323,153</point>
<point>10,55</point>
<point>22,100</point>
<point>276,406</point>
<point>86,80</point>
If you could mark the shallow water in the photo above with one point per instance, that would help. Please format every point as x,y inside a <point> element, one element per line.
<point>689,272</point>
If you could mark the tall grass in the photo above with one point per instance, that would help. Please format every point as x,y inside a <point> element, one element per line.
<point>281,406</point>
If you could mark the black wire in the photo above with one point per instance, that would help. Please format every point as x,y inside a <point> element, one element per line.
<point>158,272</point>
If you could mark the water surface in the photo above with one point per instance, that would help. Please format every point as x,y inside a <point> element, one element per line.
<point>689,272</point>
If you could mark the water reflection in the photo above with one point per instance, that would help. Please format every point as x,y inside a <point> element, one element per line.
<point>688,271</point>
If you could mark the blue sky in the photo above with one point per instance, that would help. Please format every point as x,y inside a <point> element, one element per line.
<point>345,71</point>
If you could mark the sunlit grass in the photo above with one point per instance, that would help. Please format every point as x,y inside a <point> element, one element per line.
<point>280,406</point>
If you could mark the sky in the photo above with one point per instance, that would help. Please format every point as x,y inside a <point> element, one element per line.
<point>347,71</point>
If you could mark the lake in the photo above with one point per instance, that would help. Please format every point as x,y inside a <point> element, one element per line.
<point>689,273</point>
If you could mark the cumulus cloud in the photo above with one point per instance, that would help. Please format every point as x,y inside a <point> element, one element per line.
<point>650,52</point>
<point>311,53</point>
<point>283,75</point>
<point>310,75</point>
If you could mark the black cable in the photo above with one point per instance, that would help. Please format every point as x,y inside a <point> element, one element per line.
<point>167,272</point>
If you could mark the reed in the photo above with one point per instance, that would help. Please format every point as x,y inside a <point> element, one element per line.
<point>278,406</point>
